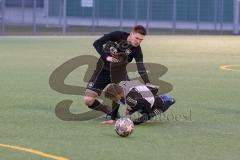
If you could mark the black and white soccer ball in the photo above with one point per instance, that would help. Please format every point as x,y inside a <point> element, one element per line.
<point>124,127</point>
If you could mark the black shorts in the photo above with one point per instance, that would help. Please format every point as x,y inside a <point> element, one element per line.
<point>106,73</point>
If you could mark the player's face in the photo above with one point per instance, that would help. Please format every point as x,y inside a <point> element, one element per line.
<point>136,39</point>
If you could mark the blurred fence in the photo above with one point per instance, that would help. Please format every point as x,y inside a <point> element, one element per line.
<point>75,16</point>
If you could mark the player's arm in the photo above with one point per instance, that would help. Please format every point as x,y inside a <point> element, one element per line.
<point>146,109</point>
<point>140,66</point>
<point>99,43</point>
<point>143,73</point>
<point>114,113</point>
<point>152,88</point>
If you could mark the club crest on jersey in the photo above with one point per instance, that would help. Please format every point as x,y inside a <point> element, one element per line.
<point>90,84</point>
<point>128,51</point>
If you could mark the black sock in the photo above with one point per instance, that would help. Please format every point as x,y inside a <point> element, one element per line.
<point>100,107</point>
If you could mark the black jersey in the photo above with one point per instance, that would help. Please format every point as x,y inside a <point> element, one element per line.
<point>118,71</point>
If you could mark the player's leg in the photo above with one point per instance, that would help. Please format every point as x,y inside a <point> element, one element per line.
<point>92,103</point>
<point>97,83</point>
<point>163,102</point>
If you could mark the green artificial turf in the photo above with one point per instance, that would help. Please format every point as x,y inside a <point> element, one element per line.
<point>203,124</point>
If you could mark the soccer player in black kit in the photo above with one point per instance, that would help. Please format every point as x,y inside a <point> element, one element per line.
<point>116,49</point>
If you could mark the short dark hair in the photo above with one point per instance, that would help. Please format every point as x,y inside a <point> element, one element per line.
<point>140,29</point>
<point>113,91</point>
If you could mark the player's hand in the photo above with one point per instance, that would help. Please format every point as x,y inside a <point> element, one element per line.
<point>153,88</point>
<point>112,59</point>
<point>110,122</point>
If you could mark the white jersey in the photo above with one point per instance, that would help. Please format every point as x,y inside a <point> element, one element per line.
<point>140,89</point>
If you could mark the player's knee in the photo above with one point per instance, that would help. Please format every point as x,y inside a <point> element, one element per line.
<point>89,97</point>
<point>88,100</point>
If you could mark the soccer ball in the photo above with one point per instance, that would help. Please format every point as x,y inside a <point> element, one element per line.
<point>124,127</point>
